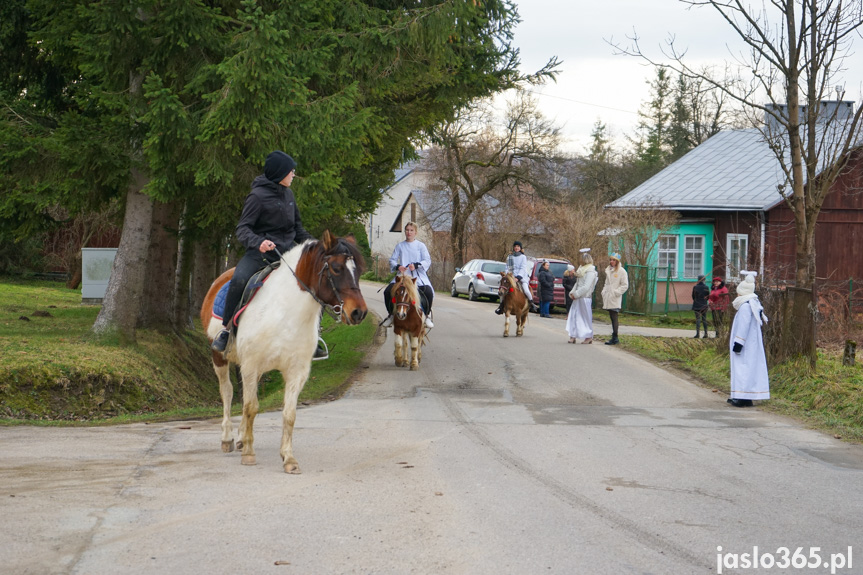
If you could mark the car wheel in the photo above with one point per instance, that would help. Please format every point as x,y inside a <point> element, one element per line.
<point>453,291</point>
<point>471,294</point>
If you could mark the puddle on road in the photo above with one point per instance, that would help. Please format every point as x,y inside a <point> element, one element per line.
<point>844,457</point>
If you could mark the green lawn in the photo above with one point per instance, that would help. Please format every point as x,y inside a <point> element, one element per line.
<point>52,370</point>
<point>830,398</point>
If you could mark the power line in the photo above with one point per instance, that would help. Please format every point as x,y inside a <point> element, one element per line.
<point>582,103</point>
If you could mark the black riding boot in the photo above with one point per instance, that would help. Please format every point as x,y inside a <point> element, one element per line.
<point>221,341</point>
<point>499,309</point>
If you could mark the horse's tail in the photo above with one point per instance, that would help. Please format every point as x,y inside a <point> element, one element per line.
<point>207,306</point>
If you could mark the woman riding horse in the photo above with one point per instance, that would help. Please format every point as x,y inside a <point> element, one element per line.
<point>411,257</point>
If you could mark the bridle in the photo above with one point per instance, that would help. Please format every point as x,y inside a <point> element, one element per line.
<point>334,311</point>
<point>505,287</point>
<point>400,298</point>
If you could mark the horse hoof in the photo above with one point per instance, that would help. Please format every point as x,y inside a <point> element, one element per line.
<point>248,460</point>
<point>292,467</point>
<point>228,446</point>
<point>506,335</point>
<point>240,444</point>
<point>414,366</point>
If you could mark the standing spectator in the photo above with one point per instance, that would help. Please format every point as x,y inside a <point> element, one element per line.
<point>700,297</point>
<point>616,284</point>
<point>748,363</point>
<point>546,289</point>
<point>718,303</point>
<point>517,265</point>
<point>579,321</point>
<point>568,283</point>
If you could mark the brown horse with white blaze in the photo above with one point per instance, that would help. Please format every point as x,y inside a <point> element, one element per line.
<point>408,322</point>
<point>515,303</point>
<point>279,331</point>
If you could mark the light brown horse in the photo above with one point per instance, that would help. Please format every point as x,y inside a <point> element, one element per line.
<point>408,322</point>
<point>279,331</point>
<point>515,303</point>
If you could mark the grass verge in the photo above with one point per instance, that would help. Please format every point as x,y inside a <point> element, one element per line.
<point>52,372</point>
<point>829,399</point>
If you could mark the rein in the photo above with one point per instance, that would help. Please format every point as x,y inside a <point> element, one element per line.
<point>334,311</point>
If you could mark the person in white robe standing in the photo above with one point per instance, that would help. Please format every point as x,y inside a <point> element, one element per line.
<point>748,362</point>
<point>579,321</point>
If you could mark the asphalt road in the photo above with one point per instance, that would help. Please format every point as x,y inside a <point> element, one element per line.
<point>519,455</point>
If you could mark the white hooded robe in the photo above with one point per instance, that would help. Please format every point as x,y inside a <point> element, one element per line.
<point>749,367</point>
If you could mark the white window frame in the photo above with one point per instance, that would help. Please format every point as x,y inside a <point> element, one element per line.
<point>732,271</point>
<point>699,252</point>
<point>662,270</point>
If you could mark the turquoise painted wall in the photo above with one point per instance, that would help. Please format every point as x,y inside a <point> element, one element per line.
<point>705,230</point>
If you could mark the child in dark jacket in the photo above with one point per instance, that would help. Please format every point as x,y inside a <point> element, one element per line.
<point>700,299</point>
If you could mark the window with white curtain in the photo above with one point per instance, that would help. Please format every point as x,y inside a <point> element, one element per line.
<point>737,249</point>
<point>693,256</point>
<point>667,256</point>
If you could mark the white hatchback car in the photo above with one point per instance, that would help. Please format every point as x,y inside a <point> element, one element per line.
<point>478,278</point>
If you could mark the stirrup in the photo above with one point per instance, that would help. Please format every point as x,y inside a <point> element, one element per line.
<point>321,351</point>
<point>220,343</point>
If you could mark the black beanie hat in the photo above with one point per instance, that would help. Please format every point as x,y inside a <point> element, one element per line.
<point>278,165</point>
<point>517,243</point>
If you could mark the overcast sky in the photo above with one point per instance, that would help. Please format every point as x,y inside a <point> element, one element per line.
<point>596,84</point>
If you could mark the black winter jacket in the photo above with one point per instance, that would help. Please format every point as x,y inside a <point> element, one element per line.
<point>546,285</point>
<point>700,296</point>
<point>270,213</point>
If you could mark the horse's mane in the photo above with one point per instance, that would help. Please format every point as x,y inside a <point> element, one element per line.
<point>340,246</point>
<point>513,282</point>
<point>515,285</point>
<point>412,290</point>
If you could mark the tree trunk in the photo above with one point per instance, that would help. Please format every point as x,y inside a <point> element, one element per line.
<point>182,318</point>
<point>74,277</point>
<point>122,303</point>
<point>158,301</point>
<point>798,333</point>
<point>204,271</point>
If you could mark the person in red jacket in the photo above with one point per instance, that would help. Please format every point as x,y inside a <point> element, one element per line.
<point>719,299</point>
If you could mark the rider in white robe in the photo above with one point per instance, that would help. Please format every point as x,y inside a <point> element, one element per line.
<point>749,378</point>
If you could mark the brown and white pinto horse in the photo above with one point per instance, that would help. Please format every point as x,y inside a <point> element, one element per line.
<point>279,330</point>
<point>408,322</point>
<point>514,303</point>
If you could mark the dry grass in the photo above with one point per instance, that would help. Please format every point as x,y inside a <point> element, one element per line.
<point>829,399</point>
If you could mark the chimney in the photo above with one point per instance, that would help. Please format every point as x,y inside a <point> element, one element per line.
<point>833,112</point>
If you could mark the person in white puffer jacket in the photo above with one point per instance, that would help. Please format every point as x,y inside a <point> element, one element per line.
<point>579,322</point>
<point>517,264</point>
<point>616,284</point>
